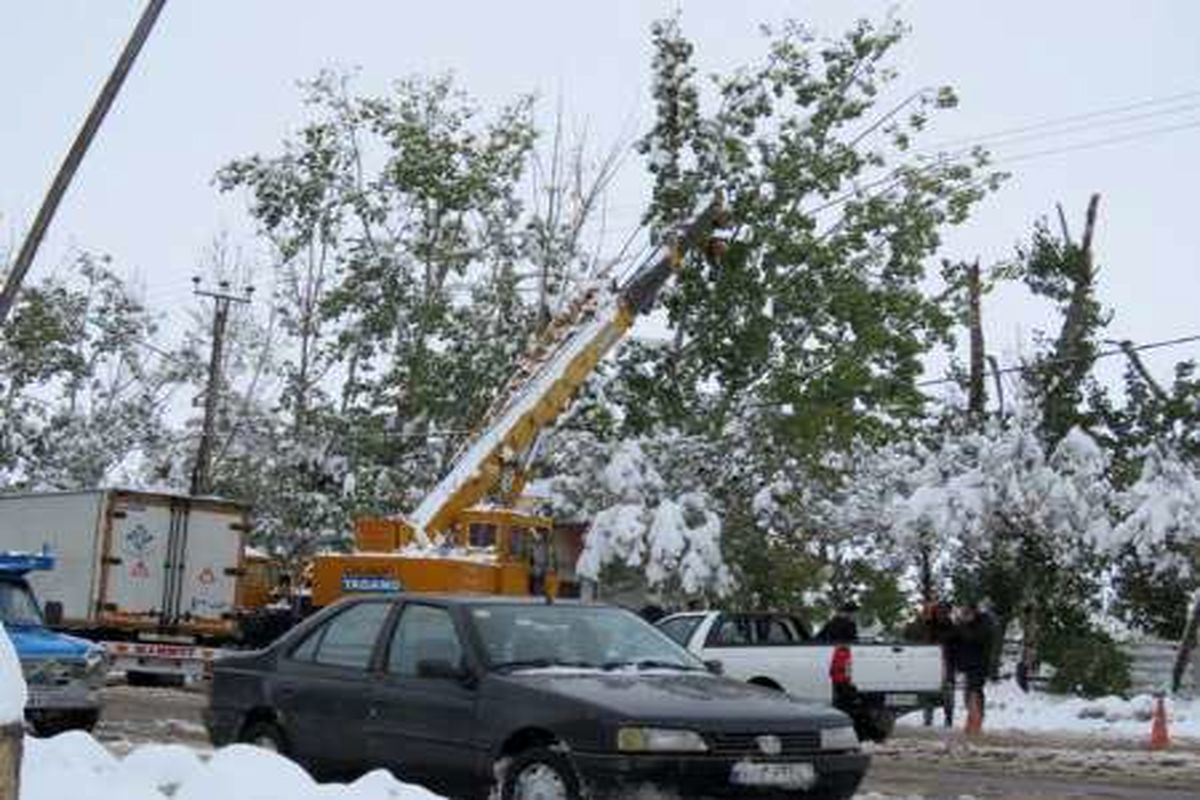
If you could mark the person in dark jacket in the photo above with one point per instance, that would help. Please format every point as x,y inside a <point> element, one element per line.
<point>935,626</point>
<point>970,652</point>
<point>841,627</point>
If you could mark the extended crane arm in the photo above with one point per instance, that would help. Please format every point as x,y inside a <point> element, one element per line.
<point>540,398</point>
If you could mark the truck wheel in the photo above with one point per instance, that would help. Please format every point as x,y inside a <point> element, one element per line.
<point>85,720</point>
<point>265,734</point>
<point>541,774</point>
<point>135,677</point>
<point>54,724</point>
<point>874,725</point>
<point>139,678</point>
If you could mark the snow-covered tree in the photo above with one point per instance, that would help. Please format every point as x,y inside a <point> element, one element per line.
<point>1161,510</point>
<point>1160,532</point>
<point>78,389</point>
<point>647,508</point>
<point>997,515</point>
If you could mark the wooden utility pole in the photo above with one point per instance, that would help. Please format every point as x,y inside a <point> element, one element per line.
<point>201,473</point>
<point>12,738</point>
<point>976,396</point>
<point>79,148</point>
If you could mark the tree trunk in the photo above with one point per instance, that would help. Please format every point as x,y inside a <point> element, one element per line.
<point>12,738</point>
<point>1187,646</point>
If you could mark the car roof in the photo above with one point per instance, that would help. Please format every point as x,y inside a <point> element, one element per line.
<point>449,599</point>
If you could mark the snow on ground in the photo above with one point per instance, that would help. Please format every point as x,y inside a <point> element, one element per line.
<point>12,682</point>
<point>1010,709</point>
<point>75,765</point>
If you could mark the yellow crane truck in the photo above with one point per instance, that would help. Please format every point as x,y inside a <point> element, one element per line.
<point>455,541</point>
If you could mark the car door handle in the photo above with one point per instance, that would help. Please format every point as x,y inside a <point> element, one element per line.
<point>372,712</point>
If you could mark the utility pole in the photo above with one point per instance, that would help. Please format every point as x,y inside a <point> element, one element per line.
<point>83,140</point>
<point>201,477</point>
<point>976,397</point>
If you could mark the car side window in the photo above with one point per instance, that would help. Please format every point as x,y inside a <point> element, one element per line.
<point>424,633</point>
<point>776,630</point>
<point>307,650</point>
<point>347,640</point>
<point>734,630</point>
<point>680,628</point>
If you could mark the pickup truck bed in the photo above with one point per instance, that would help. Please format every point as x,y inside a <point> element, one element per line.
<point>886,679</point>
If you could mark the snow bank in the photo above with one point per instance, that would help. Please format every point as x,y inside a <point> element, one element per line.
<point>74,765</point>
<point>1010,709</point>
<point>12,682</point>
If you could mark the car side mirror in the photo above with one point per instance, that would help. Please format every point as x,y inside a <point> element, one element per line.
<point>53,613</point>
<point>715,667</point>
<point>440,668</point>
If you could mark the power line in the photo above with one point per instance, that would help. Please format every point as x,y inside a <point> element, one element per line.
<point>1026,367</point>
<point>1072,359</point>
<point>1098,143</point>
<point>1086,127</point>
<point>1059,121</point>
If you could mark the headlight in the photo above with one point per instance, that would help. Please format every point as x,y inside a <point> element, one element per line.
<point>839,739</point>
<point>659,740</point>
<point>94,662</point>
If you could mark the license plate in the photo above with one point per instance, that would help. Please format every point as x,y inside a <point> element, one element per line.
<point>789,776</point>
<point>901,700</point>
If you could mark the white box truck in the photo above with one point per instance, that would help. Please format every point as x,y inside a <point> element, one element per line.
<point>155,577</point>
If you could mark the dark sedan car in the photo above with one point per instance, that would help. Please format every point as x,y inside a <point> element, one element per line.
<point>547,700</point>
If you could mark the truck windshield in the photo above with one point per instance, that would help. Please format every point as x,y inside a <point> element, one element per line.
<point>538,636</point>
<point>17,606</point>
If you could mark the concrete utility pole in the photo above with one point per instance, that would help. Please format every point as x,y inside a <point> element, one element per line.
<point>201,473</point>
<point>83,139</point>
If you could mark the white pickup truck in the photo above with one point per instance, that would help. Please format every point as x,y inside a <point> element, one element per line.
<point>877,681</point>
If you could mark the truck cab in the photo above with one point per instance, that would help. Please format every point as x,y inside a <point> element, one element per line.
<point>873,682</point>
<point>64,673</point>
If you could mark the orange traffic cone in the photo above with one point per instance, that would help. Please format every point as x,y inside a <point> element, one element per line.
<point>1159,738</point>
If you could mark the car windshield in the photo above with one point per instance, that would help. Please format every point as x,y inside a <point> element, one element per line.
<point>535,636</point>
<point>17,606</point>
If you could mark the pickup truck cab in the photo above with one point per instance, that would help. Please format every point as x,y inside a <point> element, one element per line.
<point>873,682</point>
<point>64,674</point>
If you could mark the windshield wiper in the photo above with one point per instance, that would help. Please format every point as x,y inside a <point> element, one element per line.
<point>649,663</point>
<point>540,663</point>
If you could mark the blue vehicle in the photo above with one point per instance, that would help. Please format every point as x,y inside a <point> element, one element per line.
<point>64,673</point>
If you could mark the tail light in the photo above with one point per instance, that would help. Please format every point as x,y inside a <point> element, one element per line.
<point>841,665</point>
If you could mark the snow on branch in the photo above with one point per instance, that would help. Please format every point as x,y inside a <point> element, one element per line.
<point>669,529</point>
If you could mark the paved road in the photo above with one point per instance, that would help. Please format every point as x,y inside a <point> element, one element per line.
<point>936,766</point>
<point>980,783</point>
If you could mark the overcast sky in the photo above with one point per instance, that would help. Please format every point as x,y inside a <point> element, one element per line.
<point>217,80</point>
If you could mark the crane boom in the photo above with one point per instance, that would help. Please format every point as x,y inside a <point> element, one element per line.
<point>537,399</point>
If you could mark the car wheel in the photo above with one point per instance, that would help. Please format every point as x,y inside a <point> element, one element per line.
<point>265,734</point>
<point>541,774</point>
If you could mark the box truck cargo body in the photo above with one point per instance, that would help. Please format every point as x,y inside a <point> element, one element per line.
<point>136,566</point>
